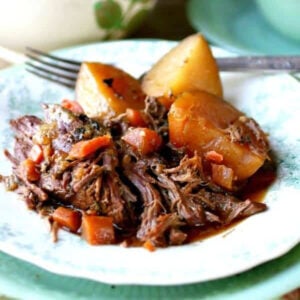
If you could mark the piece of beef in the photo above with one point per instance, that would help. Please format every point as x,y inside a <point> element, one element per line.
<point>180,186</point>
<point>152,206</point>
<point>59,189</point>
<point>92,184</point>
<point>67,128</point>
<point>246,131</point>
<point>195,199</point>
<point>26,126</point>
<point>156,115</point>
<point>164,231</point>
<point>229,208</point>
<point>158,224</point>
<point>25,129</point>
<point>116,195</point>
<point>31,186</point>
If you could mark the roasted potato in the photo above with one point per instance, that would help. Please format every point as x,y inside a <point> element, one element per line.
<point>105,91</point>
<point>202,122</point>
<point>187,67</point>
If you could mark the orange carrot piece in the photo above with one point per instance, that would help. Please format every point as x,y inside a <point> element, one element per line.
<point>73,106</point>
<point>143,139</point>
<point>135,117</point>
<point>98,230</point>
<point>36,154</point>
<point>28,167</point>
<point>214,156</point>
<point>84,148</point>
<point>67,217</point>
<point>149,246</point>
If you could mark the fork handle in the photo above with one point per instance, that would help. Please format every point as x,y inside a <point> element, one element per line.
<point>259,63</point>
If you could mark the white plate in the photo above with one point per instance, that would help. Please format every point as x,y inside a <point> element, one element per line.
<point>273,100</point>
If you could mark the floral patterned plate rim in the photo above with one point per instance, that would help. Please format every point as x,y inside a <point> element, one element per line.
<point>273,100</point>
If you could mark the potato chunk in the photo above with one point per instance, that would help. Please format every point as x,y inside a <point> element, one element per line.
<point>203,122</point>
<point>104,90</point>
<point>189,66</point>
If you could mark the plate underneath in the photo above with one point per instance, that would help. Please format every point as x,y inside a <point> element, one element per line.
<point>22,280</point>
<point>238,251</point>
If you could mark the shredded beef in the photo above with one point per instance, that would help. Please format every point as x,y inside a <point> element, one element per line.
<point>156,114</point>
<point>246,131</point>
<point>153,198</point>
<point>66,128</point>
<point>25,129</point>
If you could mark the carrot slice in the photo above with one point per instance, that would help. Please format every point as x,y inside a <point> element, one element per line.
<point>214,156</point>
<point>135,118</point>
<point>84,148</point>
<point>36,154</point>
<point>144,140</point>
<point>98,230</point>
<point>28,167</point>
<point>149,246</point>
<point>67,217</point>
<point>73,106</point>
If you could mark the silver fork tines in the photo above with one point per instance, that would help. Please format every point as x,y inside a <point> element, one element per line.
<point>51,67</point>
<point>65,71</point>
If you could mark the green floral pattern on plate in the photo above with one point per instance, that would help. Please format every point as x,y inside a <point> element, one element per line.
<point>271,99</point>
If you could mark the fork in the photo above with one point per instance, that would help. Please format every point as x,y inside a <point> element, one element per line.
<point>65,71</point>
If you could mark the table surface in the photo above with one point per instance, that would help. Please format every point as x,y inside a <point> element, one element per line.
<point>167,21</point>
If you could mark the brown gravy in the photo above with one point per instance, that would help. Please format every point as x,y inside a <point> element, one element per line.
<point>255,189</point>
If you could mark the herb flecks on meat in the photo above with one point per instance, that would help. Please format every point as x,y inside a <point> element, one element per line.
<point>151,197</point>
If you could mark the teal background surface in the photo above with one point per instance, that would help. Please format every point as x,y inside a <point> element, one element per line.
<point>238,26</point>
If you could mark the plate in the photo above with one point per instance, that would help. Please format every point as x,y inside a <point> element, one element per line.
<point>21,280</point>
<point>258,239</point>
<point>238,26</point>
